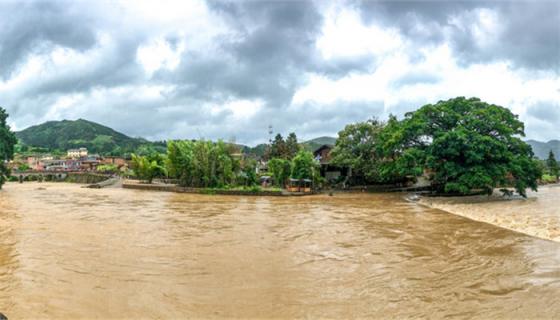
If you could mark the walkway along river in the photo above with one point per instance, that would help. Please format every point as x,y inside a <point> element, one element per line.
<point>70,252</point>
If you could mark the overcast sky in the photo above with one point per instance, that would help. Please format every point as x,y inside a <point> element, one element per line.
<point>221,69</point>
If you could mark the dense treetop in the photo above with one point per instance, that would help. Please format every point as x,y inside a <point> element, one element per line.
<point>463,145</point>
<point>7,143</point>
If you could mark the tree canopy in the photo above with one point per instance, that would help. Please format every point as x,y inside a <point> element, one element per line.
<point>292,146</point>
<point>202,163</point>
<point>281,169</point>
<point>304,166</point>
<point>356,147</point>
<point>147,169</point>
<point>284,149</point>
<point>465,144</point>
<point>552,165</point>
<point>7,142</point>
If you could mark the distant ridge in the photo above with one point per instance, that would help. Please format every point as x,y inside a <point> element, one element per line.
<point>541,149</point>
<point>314,144</point>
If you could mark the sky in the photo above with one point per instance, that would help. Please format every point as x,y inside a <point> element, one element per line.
<point>230,69</point>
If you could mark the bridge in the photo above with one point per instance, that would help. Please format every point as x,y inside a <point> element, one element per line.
<point>54,175</point>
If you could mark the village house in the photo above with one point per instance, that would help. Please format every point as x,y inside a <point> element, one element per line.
<point>117,161</point>
<point>89,163</point>
<point>77,153</point>
<point>37,163</point>
<point>329,171</point>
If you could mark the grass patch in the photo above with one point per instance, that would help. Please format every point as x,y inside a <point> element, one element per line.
<point>546,178</point>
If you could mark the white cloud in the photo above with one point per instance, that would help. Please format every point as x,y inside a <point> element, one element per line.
<point>495,83</point>
<point>344,35</point>
<point>173,68</point>
<point>158,54</point>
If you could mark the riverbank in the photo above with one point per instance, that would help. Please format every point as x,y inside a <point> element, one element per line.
<point>132,184</point>
<point>538,215</point>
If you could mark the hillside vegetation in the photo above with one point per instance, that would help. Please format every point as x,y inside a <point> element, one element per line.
<point>68,134</point>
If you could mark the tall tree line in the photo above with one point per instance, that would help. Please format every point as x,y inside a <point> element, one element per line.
<point>7,142</point>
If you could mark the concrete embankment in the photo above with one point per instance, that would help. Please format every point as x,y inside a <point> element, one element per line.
<point>86,177</point>
<point>114,182</point>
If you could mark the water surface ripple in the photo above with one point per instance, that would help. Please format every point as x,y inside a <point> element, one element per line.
<point>68,252</point>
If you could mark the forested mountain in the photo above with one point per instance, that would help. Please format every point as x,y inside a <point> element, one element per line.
<point>541,149</point>
<point>68,134</point>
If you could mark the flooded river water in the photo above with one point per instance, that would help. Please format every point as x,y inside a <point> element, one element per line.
<point>68,252</point>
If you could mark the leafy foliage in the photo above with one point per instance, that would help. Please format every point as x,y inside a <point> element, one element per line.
<point>202,163</point>
<point>109,168</point>
<point>304,166</point>
<point>356,147</point>
<point>7,142</point>
<point>23,167</point>
<point>292,146</point>
<point>278,148</point>
<point>552,165</point>
<point>147,169</point>
<point>466,144</point>
<point>281,169</point>
<point>248,175</point>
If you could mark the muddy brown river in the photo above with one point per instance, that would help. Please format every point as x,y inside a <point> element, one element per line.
<point>68,252</point>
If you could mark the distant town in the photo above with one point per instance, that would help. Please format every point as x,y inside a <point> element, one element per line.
<point>76,160</point>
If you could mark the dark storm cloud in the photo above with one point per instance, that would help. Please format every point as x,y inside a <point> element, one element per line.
<point>33,27</point>
<point>530,36</point>
<point>545,111</point>
<point>273,44</point>
<point>118,67</point>
<point>265,55</point>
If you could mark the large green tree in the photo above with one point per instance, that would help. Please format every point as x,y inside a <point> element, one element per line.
<point>292,146</point>
<point>356,147</point>
<point>552,165</point>
<point>304,166</point>
<point>465,144</point>
<point>7,142</point>
<point>278,148</point>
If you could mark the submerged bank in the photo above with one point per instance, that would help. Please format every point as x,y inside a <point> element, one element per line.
<point>538,215</point>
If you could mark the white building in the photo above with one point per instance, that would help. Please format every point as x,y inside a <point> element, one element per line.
<point>77,153</point>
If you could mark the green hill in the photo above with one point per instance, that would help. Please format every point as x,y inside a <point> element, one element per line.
<point>314,144</point>
<point>541,149</point>
<point>310,145</point>
<point>68,134</point>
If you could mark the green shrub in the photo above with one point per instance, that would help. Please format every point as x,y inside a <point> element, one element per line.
<point>546,178</point>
